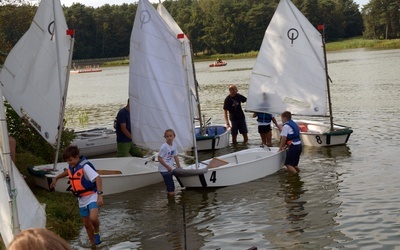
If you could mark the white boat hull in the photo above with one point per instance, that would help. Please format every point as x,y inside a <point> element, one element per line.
<point>134,173</point>
<point>97,141</point>
<point>317,134</point>
<point>242,166</point>
<point>216,137</point>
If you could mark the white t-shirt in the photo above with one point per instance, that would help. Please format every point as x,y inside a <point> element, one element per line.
<point>167,152</point>
<point>91,175</point>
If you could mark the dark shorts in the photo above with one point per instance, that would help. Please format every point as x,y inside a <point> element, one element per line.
<point>264,128</point>
<point>239,126</point>
<point>169,181</point>
<point>293,155</point>
<point>85,211</point>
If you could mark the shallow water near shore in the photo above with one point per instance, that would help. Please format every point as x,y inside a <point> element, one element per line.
<point>344,196</point>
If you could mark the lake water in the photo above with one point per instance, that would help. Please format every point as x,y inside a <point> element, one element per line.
<point>344,197</point>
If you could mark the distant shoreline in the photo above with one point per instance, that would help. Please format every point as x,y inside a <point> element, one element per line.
<point>353,43</point>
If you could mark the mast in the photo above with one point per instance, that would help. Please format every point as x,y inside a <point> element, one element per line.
<point>190,94</point>
<point>321,28</point>
<point>64,98</point>
<point>197,91</point>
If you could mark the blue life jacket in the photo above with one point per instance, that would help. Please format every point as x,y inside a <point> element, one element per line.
<point>264,117</point>
<point>79,185</point>
<point>295,137</point>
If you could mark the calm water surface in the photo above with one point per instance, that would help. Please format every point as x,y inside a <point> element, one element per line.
<point>344,197</point>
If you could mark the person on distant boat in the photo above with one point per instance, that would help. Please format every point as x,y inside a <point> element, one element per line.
<point>167,156</point>
<point>38,238</point>
<point>219,60</point>
<point>290,141</point>
<point>232,104</point>
<point>125,147</point>
<point>264,127</point>
<point>87,186</point>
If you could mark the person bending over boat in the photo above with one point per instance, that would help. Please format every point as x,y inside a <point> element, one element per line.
<point>167,155</point>
<point>125,147</point>
<point>290,141</point>
<point>87,185</point>
<point>232,104</point>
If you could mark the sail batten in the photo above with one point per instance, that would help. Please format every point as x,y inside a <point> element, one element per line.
<point>289,73</point>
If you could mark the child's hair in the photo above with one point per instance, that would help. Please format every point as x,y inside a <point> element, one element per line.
<point>38,238</point>
<point>70,151</point>
<point>287,115</point>
<point>169,130</point>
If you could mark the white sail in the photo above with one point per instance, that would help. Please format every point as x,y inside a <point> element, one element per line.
<point>19,208</point>
<point>158,87</point>
<point>289,73</point>
<point>35,73</point>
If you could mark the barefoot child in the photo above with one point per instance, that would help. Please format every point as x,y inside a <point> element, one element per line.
<point>167,155</point>
<point>86,184</point>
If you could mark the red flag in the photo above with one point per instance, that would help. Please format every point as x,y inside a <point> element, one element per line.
<point>320,27</point>
<point>70,33</point>
<point>180,36</point>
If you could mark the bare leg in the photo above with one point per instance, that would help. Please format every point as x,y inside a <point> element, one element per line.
<point>263,138</point>
<point>291,169</point>
<point>234,139</point>
<point>268,138</point>
<point>245,138</point>
<point>89,229</point>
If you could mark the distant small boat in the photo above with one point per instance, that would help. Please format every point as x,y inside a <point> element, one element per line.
<point>86,69</point>
<point>218,64</point>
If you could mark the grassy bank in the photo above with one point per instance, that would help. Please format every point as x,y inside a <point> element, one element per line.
<point>353,43</point>
<point>61,208</point>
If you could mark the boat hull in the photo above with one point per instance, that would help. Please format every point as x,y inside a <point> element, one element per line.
<point>218,64</point>
<point>118,174</point>
<point>216,137</point>
<point>316,134</point>
<point>239,167</point>
<point>97,141</point>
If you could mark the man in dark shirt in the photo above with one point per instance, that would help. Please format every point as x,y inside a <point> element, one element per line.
<point>125,146</point>
<point>232,104</point>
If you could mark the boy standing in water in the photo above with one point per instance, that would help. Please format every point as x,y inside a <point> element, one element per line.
<point>167,155</point>
<point>290,139</point>
<point>87,185</point>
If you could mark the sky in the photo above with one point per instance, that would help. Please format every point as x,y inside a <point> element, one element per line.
<point>98,3</point>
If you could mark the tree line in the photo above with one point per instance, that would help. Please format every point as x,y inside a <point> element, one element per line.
<point>214,26</point>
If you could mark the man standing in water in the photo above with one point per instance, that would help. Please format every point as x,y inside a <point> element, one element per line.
<point>232,104</point>
<point>125,146</point>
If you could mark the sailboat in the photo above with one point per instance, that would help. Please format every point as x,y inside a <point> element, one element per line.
<point>18,205</point>
<point>34,80</point>
<point>208,136</point>
<point>291,73</point>
<point>162,94</point>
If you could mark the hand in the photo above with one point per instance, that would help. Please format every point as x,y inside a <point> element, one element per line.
<point>100,200</point>
<point>53,183</point>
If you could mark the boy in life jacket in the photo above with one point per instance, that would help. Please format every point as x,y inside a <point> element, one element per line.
<point>86,184</point>
<point>290,140</point>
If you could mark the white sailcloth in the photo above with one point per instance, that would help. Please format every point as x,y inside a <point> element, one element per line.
<point>34,75</point>
<point>158,82</point>
<point>19,208</point>
<point>289,73</point>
